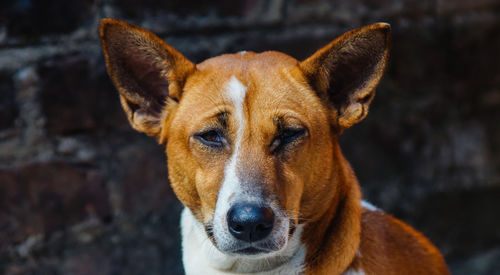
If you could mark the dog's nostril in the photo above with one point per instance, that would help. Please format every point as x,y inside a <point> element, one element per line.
<point>238,228</point>
<point>250,222</point>
<point>261,227</point>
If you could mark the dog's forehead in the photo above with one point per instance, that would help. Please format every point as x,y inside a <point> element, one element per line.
<point>267,85</point>
<point>245,62</point>
<point>264,76</point>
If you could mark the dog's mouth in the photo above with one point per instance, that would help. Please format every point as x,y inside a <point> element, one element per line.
<point>251,251</point>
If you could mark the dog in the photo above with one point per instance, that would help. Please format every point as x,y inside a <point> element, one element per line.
<point>253,154</point>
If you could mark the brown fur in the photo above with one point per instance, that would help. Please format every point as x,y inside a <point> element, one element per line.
<point>145,70</point>
<point>388,243</point>
<point>166,96</point>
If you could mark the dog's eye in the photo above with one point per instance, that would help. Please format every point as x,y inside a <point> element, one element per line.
<point>287,136</point>
<point>212,138</point>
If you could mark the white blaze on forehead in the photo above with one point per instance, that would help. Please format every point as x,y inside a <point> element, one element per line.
<point>236,92</point>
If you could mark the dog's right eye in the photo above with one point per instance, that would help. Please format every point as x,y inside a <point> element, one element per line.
<point>212,138</point>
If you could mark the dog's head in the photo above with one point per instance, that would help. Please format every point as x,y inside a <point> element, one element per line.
<point>250,138</point>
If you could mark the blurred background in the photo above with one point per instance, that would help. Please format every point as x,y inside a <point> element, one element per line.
<point>81,193</point>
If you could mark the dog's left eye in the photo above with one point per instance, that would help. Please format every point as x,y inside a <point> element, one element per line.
<point>212,138</point>
<point>287,136</point>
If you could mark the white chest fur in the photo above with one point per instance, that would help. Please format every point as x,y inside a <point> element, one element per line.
<point>201,257</point>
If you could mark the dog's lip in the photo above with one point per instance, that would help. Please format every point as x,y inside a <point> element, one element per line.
<point>250,251</point>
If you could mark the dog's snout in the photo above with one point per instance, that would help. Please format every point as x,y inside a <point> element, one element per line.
<point>250,222</point>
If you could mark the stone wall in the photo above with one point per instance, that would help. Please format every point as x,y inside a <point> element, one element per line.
<point>81,193</point>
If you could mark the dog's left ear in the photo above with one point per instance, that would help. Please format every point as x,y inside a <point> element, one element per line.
<point>345,72</point>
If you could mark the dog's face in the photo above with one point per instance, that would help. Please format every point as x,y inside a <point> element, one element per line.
<point>250,138</point>
<point>243,149</point>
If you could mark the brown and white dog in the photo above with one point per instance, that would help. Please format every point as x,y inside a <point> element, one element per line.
<point>253,154</point>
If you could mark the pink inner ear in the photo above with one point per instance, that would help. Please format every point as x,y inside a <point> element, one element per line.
<point>152,84</point>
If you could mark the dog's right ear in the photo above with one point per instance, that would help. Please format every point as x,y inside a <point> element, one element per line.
<point>148,74</point>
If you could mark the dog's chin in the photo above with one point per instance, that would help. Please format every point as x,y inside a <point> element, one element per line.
<point>254,251</point>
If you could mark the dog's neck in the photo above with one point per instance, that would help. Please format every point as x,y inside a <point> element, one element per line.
<point>335,234</point>
<point>200,256</point>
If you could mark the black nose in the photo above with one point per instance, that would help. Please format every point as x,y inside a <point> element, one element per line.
<point>250,222</point>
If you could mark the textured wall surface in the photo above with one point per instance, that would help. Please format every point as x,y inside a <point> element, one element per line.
<point>81,193</point>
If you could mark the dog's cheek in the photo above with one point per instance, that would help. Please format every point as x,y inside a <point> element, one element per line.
<point>208,182</point>
<point>181,174</point>
<point>317,174</point>
<point>184,188</point>
<point>291,192</point>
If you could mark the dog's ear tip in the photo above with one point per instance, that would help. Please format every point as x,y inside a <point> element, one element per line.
<point>107,20</point>
<point>384,32</point>
<point>110,24</point>
<point>378,26</point>
<point>105,23</point>
<point>382,25</point>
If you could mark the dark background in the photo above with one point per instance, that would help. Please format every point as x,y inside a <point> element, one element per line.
<point>81,193</point>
